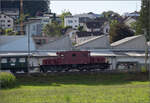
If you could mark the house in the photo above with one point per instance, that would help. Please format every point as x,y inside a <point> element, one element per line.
<point>32,28</point>
<point>6,22</point>
<point>44,20</point>
<point>135,13</point>
<point>11,12</point>
<point>89,15</point>
<point>53,17</point>
<point>16,44</point>
<point>77,20</point>
<point>97,26</point>
<point>130,20</point>
<point>71,21</point>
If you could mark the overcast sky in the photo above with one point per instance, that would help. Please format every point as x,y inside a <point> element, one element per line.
<point>77,7</point>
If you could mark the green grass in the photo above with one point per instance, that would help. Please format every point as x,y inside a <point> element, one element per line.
<point>79,88</point>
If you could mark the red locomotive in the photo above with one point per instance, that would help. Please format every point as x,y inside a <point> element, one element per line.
<point>68,60</point>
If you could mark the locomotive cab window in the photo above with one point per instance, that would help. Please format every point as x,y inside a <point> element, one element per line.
<point>22,60</point>
<point>73,55</point>
<point>13,60</point>
<point>3,60</point>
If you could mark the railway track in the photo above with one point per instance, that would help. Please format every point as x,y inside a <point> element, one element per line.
<point>71,72</point>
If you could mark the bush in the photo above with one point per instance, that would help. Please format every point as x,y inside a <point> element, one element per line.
<point>7,80</point>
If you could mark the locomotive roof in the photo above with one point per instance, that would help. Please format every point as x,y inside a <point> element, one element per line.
<point>14,54</point>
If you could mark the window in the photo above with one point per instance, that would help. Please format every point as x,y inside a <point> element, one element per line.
<point>4,16</point>
<point>70,21</point>
<point>33,27</point>
<point>8,20</point>
<point>0,16</point>
<point>3,60</point>
<point>13,60</point>
<point>22,60</point>
<point>3,21</point>
<point>8,25</point>
<point>73,55</point>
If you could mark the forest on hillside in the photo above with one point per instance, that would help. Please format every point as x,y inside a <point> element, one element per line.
<point>31,7</point>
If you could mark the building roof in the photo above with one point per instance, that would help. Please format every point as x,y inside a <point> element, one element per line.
<point>16,43</point>
<point>99,42</point>
<point>6,15</point>
<point>89,15</point>
<point>85,34</point>
<point>134,43</point>
<point>63,43</point>
<point>124,40</point>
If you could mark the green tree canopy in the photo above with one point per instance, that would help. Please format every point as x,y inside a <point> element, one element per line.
<point>119,31</point>
<point>31,7</point>
<point>53,29</point>
<point>144,20</point>
<point>65,13</point>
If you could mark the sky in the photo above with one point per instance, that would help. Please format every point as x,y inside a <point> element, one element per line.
<point>78,7</point>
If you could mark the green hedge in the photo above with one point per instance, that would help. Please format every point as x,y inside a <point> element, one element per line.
<point>7,80</point>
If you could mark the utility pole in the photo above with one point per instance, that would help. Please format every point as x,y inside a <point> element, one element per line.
<point>28,49</point>
<point>146,50</point>
<point>21,17</point>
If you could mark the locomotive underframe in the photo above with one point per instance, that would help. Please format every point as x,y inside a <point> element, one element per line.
<point>68,67</point>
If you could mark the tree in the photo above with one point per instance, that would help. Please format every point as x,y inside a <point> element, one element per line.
<point>53,29</point>
<point>144,19</point>
<point>31,7</point>
<point>144,22</point>
<point>2,31</point>
<point>111,15</point>
<point>119,31</point>
<point>65,13</point>
<point>80,28</point>
<point>23,18</point>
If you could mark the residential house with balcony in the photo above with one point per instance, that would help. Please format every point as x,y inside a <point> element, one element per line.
<point>11,12</point>
<point>78,20</point>
<point>6,22</point>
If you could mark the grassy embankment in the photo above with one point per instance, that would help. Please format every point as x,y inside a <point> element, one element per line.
<point>79,88</point>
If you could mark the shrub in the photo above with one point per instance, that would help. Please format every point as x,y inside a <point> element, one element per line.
<point>7,80</point>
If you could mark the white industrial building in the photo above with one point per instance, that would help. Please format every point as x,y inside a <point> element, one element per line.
<point>125,54</point>
<point>130,50</point>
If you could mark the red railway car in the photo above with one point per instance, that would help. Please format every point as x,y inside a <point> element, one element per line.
<point>68,60</point>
